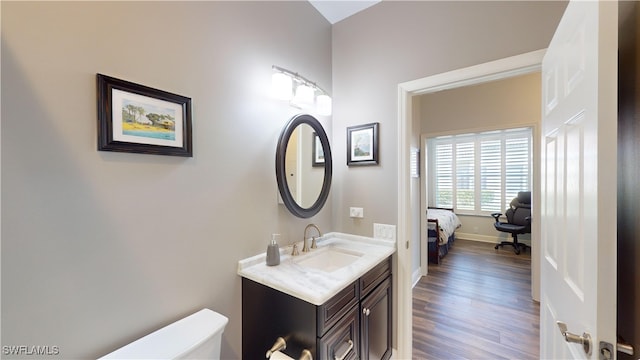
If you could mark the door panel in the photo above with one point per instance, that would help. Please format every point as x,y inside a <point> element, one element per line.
<point>549,202</point>
<point>578,210</point>
<point>574,213</point>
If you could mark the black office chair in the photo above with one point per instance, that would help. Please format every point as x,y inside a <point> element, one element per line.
<point>518,221</point>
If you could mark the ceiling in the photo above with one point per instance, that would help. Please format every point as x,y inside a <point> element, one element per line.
<point>336,10</point>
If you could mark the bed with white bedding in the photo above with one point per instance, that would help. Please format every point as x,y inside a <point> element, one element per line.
<point>440,241</point>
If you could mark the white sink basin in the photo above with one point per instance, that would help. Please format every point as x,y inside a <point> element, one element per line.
<point>330,260</point>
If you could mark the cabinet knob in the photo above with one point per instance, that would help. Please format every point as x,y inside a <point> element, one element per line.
<point>366,311</point>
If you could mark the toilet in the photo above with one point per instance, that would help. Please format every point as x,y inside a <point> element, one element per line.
<point>196,336</point>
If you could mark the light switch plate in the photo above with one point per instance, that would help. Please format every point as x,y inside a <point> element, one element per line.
<point>356,212</point>
<point>384,231</point>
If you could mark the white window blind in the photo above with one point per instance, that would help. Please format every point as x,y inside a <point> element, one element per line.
<point>479,173</point>
<point>444,174</point>
<point>465,175</point>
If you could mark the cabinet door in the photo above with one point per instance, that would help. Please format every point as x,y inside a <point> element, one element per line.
<point>342,342</point>
<point>375,324</point>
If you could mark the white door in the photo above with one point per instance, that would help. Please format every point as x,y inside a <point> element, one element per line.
<point>578,199</point>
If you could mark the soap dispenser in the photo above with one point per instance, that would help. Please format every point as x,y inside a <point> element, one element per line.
<point>273,251</point>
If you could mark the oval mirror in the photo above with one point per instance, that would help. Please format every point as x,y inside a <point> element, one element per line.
<point>303,166</point>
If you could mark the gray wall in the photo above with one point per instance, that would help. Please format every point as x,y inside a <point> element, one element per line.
<point>100,248</point>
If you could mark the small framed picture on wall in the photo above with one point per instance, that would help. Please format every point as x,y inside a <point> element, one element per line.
<point>139,119</point>
<point>362,144</point>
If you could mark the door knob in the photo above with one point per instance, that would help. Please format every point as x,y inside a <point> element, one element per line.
<point>584,339</point>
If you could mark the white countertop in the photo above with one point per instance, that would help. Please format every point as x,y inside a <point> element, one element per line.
<point>311,285</point>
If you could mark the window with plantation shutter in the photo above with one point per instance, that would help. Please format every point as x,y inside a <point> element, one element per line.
<point>479,173</point>
<point>444,176</point>
<point>490,174</point>
<point>465,175</point>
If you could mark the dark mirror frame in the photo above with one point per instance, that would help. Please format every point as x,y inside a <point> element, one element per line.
<point>281,177</point>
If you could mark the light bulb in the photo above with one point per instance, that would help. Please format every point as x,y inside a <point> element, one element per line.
<point>304,96</point>
<point>281,86</point>
<point>323,105</point>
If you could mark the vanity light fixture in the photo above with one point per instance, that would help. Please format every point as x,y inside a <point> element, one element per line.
<point>286,83</point>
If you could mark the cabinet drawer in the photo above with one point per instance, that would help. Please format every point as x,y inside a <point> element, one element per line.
<point>330,312</point>
<point>343,340</point>
<point>375,276</point>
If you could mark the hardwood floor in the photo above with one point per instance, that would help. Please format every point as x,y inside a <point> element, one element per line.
<point>476,305</point>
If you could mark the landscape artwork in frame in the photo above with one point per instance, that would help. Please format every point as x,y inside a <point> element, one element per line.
<point>318,152</point>
<point>362,144</point>
<point>139,119</point>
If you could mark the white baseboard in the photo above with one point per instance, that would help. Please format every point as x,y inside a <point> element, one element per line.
<point>478,237</point>
<point>489,239</point>
<point>415,277</point>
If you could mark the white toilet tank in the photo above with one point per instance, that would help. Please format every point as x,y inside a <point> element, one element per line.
<point>195,337</point>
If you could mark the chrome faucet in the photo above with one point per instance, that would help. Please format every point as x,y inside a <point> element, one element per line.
<point>305,246</point>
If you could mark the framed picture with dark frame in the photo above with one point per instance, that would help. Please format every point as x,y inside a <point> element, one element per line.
<point>139,119</point>
<point>362,144</point>
<point>317,151</point>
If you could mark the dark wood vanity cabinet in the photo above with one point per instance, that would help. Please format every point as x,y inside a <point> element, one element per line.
<point>354,324</point>
<point>375,323</point>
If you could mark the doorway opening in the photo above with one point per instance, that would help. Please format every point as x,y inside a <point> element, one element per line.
<point>477,151</point>
<point>408,234</point>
